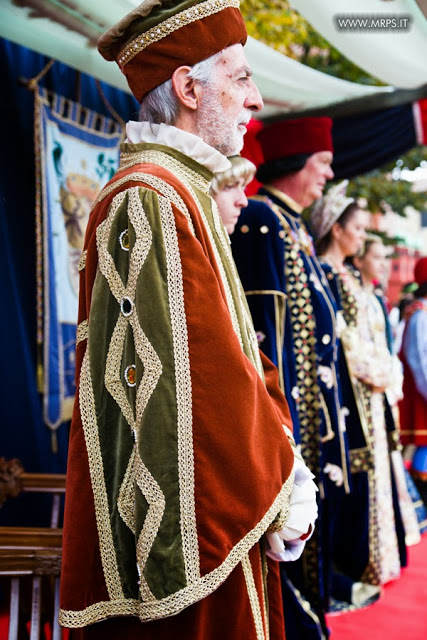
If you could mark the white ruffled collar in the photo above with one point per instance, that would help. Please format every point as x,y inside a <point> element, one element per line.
<point>187,143</point>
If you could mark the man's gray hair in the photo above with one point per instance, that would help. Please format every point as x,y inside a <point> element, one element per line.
<point>162,105</point>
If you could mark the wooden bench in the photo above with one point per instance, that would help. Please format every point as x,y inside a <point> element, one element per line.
<point>30,557</point>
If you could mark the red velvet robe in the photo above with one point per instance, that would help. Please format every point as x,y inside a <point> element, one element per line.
<point>178,460</point>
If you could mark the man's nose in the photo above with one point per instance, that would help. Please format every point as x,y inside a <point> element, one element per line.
<point>253,101</point>
<point>330,174</point>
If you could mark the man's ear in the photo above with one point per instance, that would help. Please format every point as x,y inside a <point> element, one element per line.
<point>187,90</point>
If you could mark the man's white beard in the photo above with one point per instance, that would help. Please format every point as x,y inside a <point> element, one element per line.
<point>218,130</point>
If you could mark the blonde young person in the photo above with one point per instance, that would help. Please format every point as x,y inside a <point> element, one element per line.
<point>228,190</point>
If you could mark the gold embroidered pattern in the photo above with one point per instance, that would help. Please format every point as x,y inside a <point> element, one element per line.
<point>253,598</point>
<point>177,601</point>
<point>96,470</point>
<point>183,393</point>
<point>160,185</point>
<point>165,28</point>
<point>372,571</point>
<point>152,367</point>
<point>329,431</point>
<point>361,460</point>
<point>305,348</point>
<point>82,331</point>
<point>151,156</point>
<point>82,260</point>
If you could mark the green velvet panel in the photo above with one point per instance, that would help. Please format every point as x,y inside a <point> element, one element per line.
<point>156,445</point>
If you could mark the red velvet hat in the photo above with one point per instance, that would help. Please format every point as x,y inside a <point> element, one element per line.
<point>252,151</point>
<point>291,137</point>
<point>159,36</point>
<point>420,270</point>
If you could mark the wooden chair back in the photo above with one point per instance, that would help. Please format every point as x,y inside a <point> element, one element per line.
<point>30,559</point>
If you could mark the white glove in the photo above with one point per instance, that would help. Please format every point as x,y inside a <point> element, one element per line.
<point>326,375</point>
<point>286,544</point>
<point>335,474</point>
<point>284,553</point>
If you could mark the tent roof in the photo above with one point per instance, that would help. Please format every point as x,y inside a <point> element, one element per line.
<point>67,30</point>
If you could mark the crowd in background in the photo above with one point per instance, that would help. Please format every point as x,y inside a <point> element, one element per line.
<point>347,363</point>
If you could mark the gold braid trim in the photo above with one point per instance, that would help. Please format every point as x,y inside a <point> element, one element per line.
<point>160,185</point>
<point>82,260</point>
<point>96,470</point>
<point>126,499</point>
<point>152,369</point>
<point>279,522</point>
<point>190,545</point>
<point>253,598</point>
<point>165,28</point>
<point>82,331</point>
<point>304,346</point>
<point>129,159</point>
<point>176,602</point>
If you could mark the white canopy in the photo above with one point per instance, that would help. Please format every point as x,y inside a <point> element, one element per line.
<point>53,28</point>
<point>395,57</point>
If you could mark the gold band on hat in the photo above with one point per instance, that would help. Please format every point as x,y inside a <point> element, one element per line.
<point>172,24</point>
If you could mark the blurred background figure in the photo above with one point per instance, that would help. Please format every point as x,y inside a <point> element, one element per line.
<point>294,316</point>
<point>413,353</point>
<point>367,518</point>
<point>397,314</point>
<point>228,190</point>
<point>373,269</point>
<point>339,227</point>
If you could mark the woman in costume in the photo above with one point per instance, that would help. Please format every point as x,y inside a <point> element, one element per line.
<point>366,520</point>
<point>371,263</point>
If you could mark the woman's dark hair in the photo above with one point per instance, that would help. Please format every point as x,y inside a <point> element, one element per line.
<point>403,303</point>
<point>421,292</point>
<point>323,244</point>
<point>277,168</point>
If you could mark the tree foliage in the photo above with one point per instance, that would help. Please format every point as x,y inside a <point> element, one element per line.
<point>279,26</point>
<point>382,193</point>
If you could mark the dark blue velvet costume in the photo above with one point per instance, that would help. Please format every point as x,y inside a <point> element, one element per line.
<point>294,315</point>
<point>356,524</point>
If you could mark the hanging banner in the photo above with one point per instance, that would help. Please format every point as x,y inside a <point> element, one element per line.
<point>77,152</point>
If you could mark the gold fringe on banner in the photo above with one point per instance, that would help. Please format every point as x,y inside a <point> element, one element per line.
<point>82,119</point>
<point>32,85</point>
<point>110,108</point>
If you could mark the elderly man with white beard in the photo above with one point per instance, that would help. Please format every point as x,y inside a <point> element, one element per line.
<point>181,464</point>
